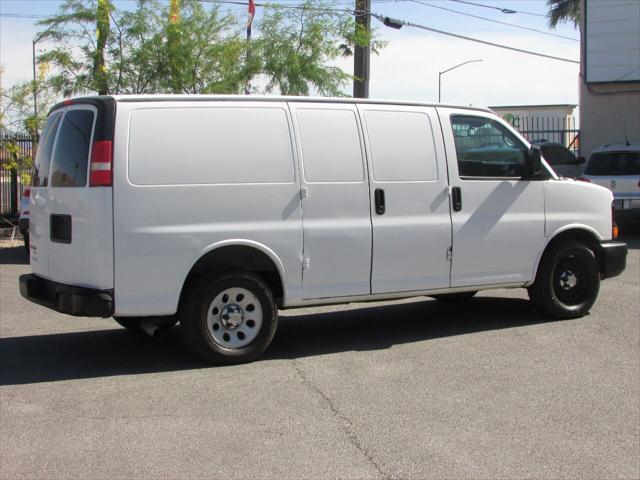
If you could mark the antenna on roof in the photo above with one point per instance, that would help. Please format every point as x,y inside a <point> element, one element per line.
<point>626,140</point>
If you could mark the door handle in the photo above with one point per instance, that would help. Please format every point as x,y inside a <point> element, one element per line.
<point>379,199</point>
<point>456,198</point>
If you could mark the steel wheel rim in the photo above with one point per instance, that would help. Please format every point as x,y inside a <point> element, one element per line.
<point>570,282</point>
<point>234,318</point>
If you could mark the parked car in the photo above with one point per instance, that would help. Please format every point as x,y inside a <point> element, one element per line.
<point>561,159</point>
<point>216,211</point>
<point>23,219</point>
<point>617,167</point>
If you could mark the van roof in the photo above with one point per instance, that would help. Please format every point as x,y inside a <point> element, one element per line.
<point>259,98</point>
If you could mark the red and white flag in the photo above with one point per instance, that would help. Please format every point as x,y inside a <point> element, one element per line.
<point>252,13</point>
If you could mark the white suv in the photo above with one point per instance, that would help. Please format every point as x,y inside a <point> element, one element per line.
<point>617,167</point>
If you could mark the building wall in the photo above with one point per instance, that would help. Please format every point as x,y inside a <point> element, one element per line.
<point>608,111</point>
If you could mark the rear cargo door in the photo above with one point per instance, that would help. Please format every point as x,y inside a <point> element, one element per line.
<point>38,216</point>
<point>75,220</point>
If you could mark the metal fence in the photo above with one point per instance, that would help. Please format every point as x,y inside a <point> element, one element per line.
<point>11,185</point>
<point>560,130</point>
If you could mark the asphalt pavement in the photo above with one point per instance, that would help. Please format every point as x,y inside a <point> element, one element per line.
<point>410,389</point>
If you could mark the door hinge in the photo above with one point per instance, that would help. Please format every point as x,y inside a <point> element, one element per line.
<point>305,263</point>
<point>448,189</point>
<point>449,254</point>
<point>304,193</point>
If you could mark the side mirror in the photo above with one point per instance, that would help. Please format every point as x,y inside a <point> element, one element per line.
<point>533,163</point>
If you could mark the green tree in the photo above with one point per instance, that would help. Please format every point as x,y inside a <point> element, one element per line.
<point>205,50</point>
<point>563,11</point>
<point>81,32</point>
<point>103,29</point>
<point>180,48</point>
<point>185,46</point>
<point>16,104</point>
<point>138,63</point>
<point>297,48</point>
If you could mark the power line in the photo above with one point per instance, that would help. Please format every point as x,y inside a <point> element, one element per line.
<point>501,9</point>
<point>20,15</point>
<point>494,21</point>
<point>403,22</point>
<point>384,19</point>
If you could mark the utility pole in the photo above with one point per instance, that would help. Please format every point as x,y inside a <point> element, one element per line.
<point>362,54</point>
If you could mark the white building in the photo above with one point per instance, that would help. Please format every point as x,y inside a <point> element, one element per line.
<point>609,73</point>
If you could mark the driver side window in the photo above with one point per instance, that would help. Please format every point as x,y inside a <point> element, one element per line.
<point>486,149</point>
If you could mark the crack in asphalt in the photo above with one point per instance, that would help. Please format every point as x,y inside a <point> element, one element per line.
<point>348,423</point>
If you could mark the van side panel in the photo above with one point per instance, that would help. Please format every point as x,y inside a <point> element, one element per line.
<point>189,176</point>
<point>336,212</point>
<point>569,203</point>
<point>412,236</point>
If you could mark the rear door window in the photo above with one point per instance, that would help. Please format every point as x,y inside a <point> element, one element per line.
<point>71,155</point>
<point>40,177</point>
<point>614,163</point>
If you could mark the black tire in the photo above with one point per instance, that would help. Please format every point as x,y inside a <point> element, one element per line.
<point>454,297</point>
<point>198,323</point>
<point>568,281</point>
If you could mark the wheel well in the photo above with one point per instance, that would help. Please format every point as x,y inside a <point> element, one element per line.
<point>577,235</point>
<point>237,257</point>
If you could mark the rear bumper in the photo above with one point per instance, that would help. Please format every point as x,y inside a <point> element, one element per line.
<point>612,257</point>
<point>77,301</point>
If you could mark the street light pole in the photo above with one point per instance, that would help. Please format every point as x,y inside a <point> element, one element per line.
<point>35,88</point>
<point>448,70</point>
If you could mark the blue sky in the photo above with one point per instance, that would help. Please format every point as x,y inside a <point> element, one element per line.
<point>408,67</point>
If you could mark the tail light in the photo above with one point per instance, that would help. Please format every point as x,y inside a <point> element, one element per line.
<point>26,193</point>
<point>101,164</point>
<point>614,226</point>
<point>583,179</point>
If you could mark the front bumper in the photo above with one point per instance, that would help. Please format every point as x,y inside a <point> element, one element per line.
<point>77,301</point>
<point>612,257</point>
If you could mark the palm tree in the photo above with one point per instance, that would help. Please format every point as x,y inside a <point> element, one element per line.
<point>563,11</point>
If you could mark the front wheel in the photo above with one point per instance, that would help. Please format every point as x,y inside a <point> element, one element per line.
<point>230,318</point>
<point>568,281</point>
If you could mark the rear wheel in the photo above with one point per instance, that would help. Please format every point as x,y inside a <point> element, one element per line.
<point>230,318</point>
<point>454,297</point>
<point>568,281</point>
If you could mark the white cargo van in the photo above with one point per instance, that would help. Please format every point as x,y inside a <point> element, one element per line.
<point>215,211</point>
